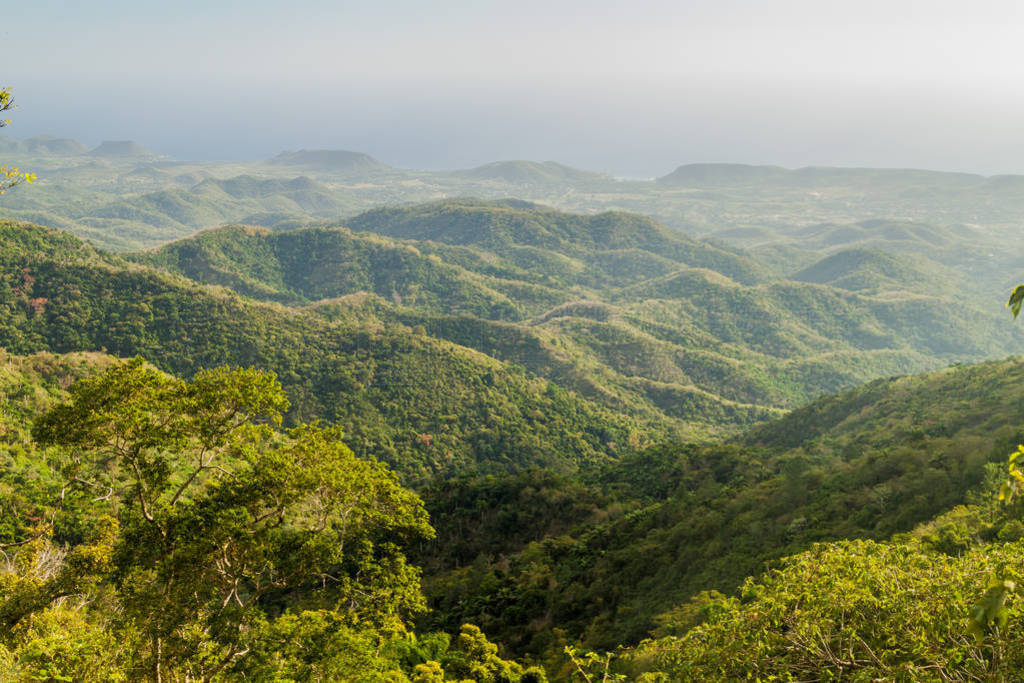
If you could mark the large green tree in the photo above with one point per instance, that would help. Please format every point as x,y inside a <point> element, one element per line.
<point>193,526</point>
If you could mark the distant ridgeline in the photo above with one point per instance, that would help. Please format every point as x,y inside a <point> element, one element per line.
<point>48,145</point>
<point>121,197</point>
<point>330,160</point>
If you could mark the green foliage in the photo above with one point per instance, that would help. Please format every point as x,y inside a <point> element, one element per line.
<point>505,228</point>
<point>202,526</point>
<point>591,666</point>
<point>386,387</point>
<point>61,644</point>
<point>878,271</point>
<point>646,534</point>
<point>1016,299</point>
<point>313,264</point>
<point>614,307</point>
<point>854,610</point>
<point>191,538</point>
<point>29,386</point>
<point>9,177</point>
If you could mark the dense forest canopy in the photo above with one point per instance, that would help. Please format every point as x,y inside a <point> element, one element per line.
<point>369,432</point>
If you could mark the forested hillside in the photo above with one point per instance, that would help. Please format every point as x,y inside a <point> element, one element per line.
<point>218,548</point>
<point>615,307</point>
<point>652,544</point>
<point>656,528</point>
<point>621,438</point>
<point>407,342</point>
<point>424,405</point>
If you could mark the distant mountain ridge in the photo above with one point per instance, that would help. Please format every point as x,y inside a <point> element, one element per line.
<point>518,171</point>
<point>43,145</point>
<point>121,148</point>
<point>531,172</point>
<point>701,175</point>
<point>725,174</point>
<point>334,160</point>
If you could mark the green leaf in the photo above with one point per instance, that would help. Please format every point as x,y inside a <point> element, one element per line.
<point>1016,300</point>
<point>1005,492</point>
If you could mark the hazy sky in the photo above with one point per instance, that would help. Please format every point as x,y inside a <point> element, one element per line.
<point>635,88</point>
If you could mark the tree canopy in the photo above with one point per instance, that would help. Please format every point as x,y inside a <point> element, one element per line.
<point>201,530</point>
<point>9,177</point>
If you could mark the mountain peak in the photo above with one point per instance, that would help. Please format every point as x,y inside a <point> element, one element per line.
<point>338,160</point>
<point>530,172</point>
<point>701,175</point>
<point>121,148</point>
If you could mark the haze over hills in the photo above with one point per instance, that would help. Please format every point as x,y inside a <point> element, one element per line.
<point>122,149</point>
<point>532,173</point>
<point>710,175</point>
<point>337,161</point>
<point>738,198</point>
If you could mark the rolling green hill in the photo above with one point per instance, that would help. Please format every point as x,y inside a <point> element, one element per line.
<point>531,173</point>
<point>533,371</point>
<point>331,160</point>
<point>426,406</point>
<point>314,264</point>
<point>614,306</point>
<point>873,270</point>
<point>733,201</point>
<point>608,417</point>
<point>654,529</point>
<point>516,230</point>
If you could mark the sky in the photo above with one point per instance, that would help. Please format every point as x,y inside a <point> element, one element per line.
<point>634,88</point>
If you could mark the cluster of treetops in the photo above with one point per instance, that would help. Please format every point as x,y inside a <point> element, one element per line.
<point>155,528</point>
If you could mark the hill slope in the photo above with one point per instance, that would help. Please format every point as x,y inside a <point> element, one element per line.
<point>120,148</point>
<point>516,230</point>
<point>331,160</point>
<point>711,175</point>
<point>424,405</point>
<point>615,306</point>
<point>874,270</point>
<point>531,172</point>
<point>654,529</point>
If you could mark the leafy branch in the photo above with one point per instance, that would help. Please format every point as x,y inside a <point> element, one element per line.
<point>9,177</point>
